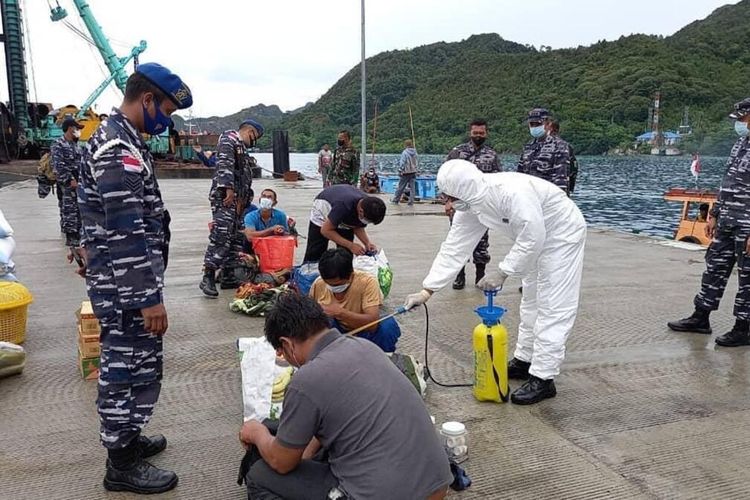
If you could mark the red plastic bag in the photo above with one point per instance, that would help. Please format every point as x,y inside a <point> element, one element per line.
<point>275,252</point>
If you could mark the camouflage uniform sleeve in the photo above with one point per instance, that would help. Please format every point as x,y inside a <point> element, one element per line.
<point>520,165</point>
<point>122,193</point>
<point>714,212</point>
<point>561,166</point>
<point>61,164</point>
<point>453,154</point>
<point>224,174</point>
<point>496,166</point>
<point>354,167</point>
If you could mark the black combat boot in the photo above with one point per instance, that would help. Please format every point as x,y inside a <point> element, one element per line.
<point>208,285</point>
<point>534,390</point>
<point>228,279</point>
<point>697,323</point>
<point>518,370</point>
<point>127,471</point>
<point>150,446</point>
<point>480,273</point>
<point>737,336</point>
<point>460,282</point>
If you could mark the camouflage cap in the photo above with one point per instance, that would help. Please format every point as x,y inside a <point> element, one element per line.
<point>538,114</point>
<point>741,109</point>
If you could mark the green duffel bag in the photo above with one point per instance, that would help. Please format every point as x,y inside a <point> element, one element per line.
<point>12,359</point>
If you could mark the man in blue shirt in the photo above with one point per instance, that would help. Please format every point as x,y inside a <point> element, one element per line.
<point>266,221</point>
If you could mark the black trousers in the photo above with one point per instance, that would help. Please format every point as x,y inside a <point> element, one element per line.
<point>317,243</point>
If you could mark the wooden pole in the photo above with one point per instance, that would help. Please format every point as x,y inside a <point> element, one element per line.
<point>370,325</point>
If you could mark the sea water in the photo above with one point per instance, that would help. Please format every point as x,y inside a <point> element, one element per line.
<point>624,193</point>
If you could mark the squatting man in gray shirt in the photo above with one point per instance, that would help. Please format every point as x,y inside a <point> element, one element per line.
<point>352,426</point>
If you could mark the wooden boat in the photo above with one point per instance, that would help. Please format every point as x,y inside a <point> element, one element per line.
<point>693,220</point>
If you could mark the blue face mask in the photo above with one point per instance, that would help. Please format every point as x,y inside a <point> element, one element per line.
<point>741,128</point>
<point>158,124</point>
<point>536,132</point>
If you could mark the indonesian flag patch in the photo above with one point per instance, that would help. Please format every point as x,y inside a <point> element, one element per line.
<point>131,164</point>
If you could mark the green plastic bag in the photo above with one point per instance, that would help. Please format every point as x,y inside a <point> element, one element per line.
<point>376,265</point>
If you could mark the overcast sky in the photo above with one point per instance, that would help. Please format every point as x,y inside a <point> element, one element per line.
<point>235,54</point>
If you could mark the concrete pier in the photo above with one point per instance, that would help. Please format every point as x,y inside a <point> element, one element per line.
<point>641,412</point>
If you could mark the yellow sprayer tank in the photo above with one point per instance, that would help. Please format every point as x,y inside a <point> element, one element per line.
<point>490,354</point>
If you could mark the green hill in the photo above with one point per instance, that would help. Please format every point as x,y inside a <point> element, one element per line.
<point>601,93</point>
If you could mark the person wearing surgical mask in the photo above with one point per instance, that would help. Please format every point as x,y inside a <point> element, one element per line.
<point>352,299</point>
<point>344,168</point>
<point>484,157</point>
<point>728,226</point>
<point>65,157</point>
<point>267,220</point>
<point>547,155</point>
<point>548,233</point>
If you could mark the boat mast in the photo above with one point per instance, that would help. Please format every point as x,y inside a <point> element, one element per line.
<point>657,138</point>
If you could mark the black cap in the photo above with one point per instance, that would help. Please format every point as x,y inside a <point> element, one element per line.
<point>70,122</point>
<point>538,115</point>
<point>741,109</point>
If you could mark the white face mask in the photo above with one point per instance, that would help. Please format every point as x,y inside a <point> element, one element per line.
<point>741,128</point>
<point>77,134</point>
<point>461,206</point>
<point>292,361</point>
<point>339,288</point>
<point>266,203</point>
<point>364,221</point>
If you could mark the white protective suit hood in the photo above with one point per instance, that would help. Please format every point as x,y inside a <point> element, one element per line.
<point>462,179</point>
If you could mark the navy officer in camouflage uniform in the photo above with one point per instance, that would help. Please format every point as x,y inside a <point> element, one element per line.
<point>485,159</point>
<point>65,157</point>
<point>547,156</point>
<point>230,194</point>
<point>729,227</point>
<point>345,165</point>
<point>123,219</point>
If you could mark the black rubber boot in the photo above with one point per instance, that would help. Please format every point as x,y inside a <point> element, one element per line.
<point>736,337</point>
<point>208,285</point>
<point>127,471</point>
<point>150,446</point>
<point>534,390</point>
<point>460,282</point>
<point>518,370</point>
<point>697,323</point>
<point>480,272</point>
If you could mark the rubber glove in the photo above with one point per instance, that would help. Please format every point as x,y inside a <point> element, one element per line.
<point>417,299</point>
<point>493,280</point>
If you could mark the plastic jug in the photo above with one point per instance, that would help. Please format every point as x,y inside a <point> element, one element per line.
<point>490,354</point>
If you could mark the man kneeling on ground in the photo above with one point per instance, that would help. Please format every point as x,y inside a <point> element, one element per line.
<point>352,299</point>
<point>351,421</point>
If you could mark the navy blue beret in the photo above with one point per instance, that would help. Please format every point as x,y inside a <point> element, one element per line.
<point>168,82</point>
<point>254,124</point>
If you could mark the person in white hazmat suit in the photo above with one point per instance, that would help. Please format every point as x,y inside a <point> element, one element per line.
<point>549,233</point>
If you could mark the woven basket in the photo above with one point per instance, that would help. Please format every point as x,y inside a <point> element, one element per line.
<point>14,301</point>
